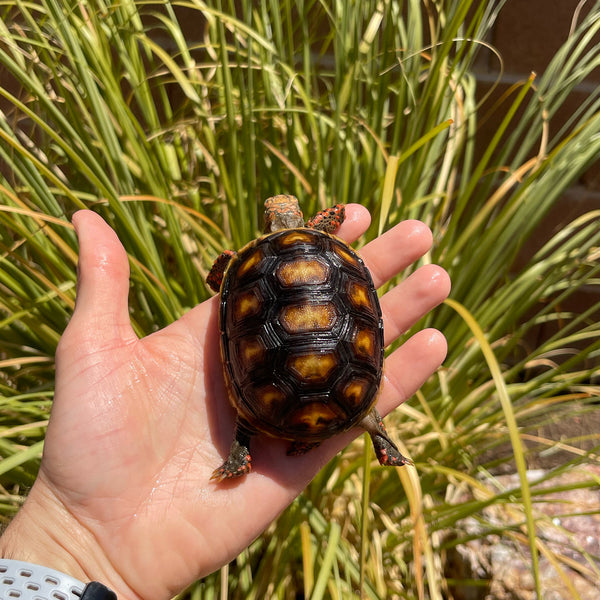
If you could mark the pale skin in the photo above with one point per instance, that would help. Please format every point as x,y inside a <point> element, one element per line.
<point>138,425</point>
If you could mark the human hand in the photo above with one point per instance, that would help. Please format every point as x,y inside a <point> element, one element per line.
<point>138,425</point>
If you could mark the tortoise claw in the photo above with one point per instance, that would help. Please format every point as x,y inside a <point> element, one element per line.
<point>386,451</point>
<point>388,455</point>
<point>238,463</point>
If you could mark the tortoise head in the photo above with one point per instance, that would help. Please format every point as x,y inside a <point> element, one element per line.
<point>282,212</point>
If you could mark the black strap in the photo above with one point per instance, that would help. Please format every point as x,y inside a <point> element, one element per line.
<point>97,591</point>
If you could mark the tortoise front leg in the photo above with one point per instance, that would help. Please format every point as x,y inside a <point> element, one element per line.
<point>215,275</point>
<point>328,220</point>
<point>239,461</point>
<point>387,452</point>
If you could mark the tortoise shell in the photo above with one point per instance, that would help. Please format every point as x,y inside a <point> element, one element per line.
<point>301,335</point>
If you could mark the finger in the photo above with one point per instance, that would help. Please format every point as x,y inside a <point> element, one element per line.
<point>412,299</point>
<point>396,249</point>
<point>408,367</point>
<point>103,278</point>
<point>356,222</point>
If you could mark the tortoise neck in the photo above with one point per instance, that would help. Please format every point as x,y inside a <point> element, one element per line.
<point>282,212</point>
<point>283,222</point>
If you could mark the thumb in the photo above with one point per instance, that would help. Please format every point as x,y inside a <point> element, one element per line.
<point>101,306</point>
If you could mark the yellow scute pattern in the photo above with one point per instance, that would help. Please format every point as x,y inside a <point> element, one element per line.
<point>302,272</point>
<point>301,318</point>
<point>315,416</point>
<point>315,368</point>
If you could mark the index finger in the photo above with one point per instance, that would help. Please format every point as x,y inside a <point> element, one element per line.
<point>396,249</point>
<point>392,251</point>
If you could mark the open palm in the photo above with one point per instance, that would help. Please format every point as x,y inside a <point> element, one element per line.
<point>138,426</point>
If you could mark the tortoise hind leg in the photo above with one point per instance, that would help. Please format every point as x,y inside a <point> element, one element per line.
<point>239,461</point>
<point>387,452</point>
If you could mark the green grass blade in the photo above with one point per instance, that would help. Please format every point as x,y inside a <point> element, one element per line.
<point>513,430</point>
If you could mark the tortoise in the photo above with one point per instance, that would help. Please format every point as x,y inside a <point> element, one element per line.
<point>301,336</point>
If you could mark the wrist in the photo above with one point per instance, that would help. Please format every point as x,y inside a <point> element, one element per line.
<point>19,579</point>
<point>36,535</point>
<point>45,533</point>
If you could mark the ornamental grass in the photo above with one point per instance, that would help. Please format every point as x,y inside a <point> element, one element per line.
<point>176,134</point>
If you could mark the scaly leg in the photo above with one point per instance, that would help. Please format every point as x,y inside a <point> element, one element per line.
<point>328,220</point>
<point>386,451</point>
<point>239,461</point>
<point>215,275</point>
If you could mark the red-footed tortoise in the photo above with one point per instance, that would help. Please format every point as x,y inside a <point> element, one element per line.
<point>301,336</point>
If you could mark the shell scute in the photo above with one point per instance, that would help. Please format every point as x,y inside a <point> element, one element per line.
<point>347,257</point>
<point>251,351</point>
<point>301,271</point>
<point>247,304</point>
<point>313,367</point>
<point>355,390</point>
<point>364,343</point>
<point>307,317</point>
<point>291,238</point>
<point>250,263</point>
<point>314,417</point>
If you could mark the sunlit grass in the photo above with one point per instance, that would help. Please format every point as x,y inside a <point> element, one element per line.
<point>177,138</point>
